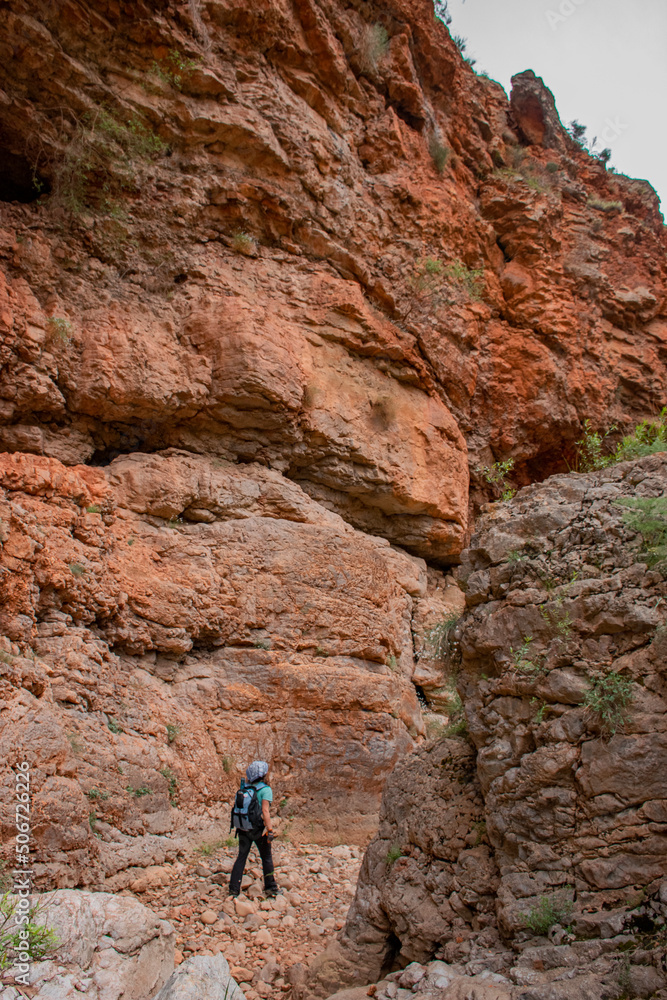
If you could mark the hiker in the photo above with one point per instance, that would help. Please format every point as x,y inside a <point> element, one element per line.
<point>251,821</point>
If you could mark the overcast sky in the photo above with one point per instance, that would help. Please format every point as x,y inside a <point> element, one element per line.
<point>604,60</point>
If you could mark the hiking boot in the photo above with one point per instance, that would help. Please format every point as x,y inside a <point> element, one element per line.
<point>233,895</point>
<point>272,893</point>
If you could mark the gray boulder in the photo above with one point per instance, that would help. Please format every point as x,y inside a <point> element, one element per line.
<point>204,977</point>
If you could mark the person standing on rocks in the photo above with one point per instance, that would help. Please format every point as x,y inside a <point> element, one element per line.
<point>251,821</point>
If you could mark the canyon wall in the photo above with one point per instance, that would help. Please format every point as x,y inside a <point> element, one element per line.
<point>276,280</point>
<point>535,846</point>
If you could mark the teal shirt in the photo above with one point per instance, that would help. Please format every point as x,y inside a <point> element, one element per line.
<point>264,793</point>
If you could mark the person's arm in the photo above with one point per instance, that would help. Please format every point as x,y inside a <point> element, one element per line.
<point>266,816</point>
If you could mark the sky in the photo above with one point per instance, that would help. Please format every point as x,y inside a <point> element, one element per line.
<point>605,62</point>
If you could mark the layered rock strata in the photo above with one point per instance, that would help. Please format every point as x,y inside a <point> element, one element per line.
<point>551,816</point>
<point>169,618</point>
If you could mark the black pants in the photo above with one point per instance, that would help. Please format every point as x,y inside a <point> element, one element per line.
<point>246,841</point>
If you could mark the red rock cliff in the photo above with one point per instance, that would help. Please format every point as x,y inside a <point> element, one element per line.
<point>293,267</point>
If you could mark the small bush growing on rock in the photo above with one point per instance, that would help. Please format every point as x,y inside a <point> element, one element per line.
<point>139,792</point>
<point>648,517</point>
<point>557,619</point>
<point>605,206</point>
<point>100,160</point>
<point>521,660</point>
<point>210,848</point>
<point>77,569</point>
<point>244,244</point>
<point>174,68</point>
<point>373,47</point>
<point>497,475</point>
<point>95,793</point>
<point>439,153</point>
<point>41,941</point>
<point>608,699</point>
<point>393,854</point>
<point>441,11</point>
<point>227,763</point>
<point>590,449</point>
<point>59,329</point>
<point>172,732</point>
<point>114,726</point>
<point>167,773</point>
<point>438,638</point>
<point>470,279</point>
<point>462,44</point>
<point>648,437</point>
<point>549,911</point>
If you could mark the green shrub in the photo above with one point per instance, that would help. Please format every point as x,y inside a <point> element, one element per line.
<point>648,437</point>
<point>590,449</point>
<point>172,732</point>
<point>521,660</point>
<point>393,854</point>
<point>373,47</point>
<point>605,206</point>
<point>608,698</point>
<point>95,793</point>
<point>558,619</point>
<point>439,153</point>
<point>167,773</point>
<point>244,244</point>
<point>497,475</point>
<point>441,11</point>
<point>462,45</point>
<point>77,569</point>
<point>114,726</point>
<point>648,517</point>
<point>210,847</point>
<point>438,638</point>
<point>227,763</point>
<point>59,329</point>
<point>93,509</point>
<point>174,68</point>
<point>455,728</point>
<point>139,792</point>
<point>41,941</point>
<point>469,279</point>
<point>549,911</point>
<point>100,160</point>
<point>515,556</point>
<point>262,644</point>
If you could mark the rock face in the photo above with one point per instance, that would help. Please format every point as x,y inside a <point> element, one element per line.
<point>265,607</point>
<point>274,279</point>
<point>109,948</point>
<point>552,820</point>
<point>205,977</point>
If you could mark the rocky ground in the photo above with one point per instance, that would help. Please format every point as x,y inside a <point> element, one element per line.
<point>260,938</point>
<point>267,943</point>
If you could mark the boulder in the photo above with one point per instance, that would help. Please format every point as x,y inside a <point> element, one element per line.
<point>203,977</point>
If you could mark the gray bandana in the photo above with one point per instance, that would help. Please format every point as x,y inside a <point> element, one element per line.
<point>256,770</point>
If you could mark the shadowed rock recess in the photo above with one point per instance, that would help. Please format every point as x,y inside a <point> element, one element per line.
<point>278,283</point>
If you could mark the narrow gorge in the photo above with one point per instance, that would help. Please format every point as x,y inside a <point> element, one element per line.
<point>305,327</point>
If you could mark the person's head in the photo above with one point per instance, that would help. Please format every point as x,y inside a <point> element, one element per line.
<point>258,769</point>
